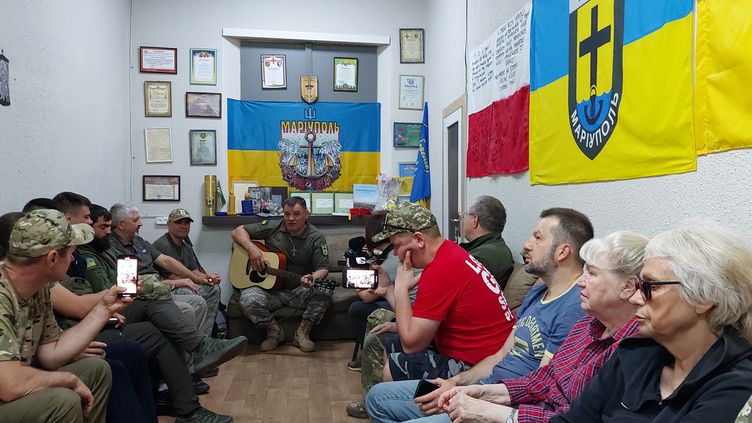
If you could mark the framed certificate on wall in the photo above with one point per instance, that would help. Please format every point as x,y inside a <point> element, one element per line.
<point>273,71</point>
<point>411,92</point>
<point>411,45</point>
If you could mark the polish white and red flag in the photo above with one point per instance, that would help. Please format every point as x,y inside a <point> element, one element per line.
<point>499,100</point>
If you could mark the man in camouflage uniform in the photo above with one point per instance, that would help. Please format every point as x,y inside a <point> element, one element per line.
<point>154,303</point>
<point>148,340</point>
<point>176,244</point>
<point>307,254</point>
<point>41,381</point>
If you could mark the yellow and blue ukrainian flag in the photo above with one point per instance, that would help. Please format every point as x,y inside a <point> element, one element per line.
<point>255,130</point>
<point>611,90</point>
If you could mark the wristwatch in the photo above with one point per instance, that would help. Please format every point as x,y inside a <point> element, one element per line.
<point>512,415</point>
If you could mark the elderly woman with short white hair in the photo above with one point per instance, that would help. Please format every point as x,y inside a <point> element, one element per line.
<point>694,361</point>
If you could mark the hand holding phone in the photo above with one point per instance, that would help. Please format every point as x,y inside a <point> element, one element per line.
<point>424,387</point>
<point>360,278</point>
<point>127,274</point>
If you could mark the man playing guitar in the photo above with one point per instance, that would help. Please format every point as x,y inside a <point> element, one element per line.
<point>307,254</point>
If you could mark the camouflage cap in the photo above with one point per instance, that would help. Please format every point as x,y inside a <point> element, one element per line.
<point>178,214</point>
<point>154,288</point>
<point>408,217</point>
<point>41,231</point>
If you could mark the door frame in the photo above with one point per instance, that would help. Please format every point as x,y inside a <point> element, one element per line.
<point>455,112</point>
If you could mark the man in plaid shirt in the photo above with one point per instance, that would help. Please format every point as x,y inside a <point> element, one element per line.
<point>611,270</point>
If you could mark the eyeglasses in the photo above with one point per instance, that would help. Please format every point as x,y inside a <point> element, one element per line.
<point>646,287</point>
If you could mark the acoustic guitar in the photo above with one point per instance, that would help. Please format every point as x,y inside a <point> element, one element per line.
<point>242,274</point>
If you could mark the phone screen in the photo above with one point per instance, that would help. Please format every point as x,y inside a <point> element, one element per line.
<point>127,274</point>
<point>424,387</point>
<point>360,278</point>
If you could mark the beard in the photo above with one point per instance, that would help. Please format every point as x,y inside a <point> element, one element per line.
<point>100,244</point>
<point>544,266</point>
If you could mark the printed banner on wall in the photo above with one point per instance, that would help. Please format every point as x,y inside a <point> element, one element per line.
<point>319,146</point>
<point>723,98</point>
<point>498,95</point>
<point>611,90</point>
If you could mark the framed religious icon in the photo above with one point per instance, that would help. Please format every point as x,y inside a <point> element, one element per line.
<point>411,92</point>
<point>273,71</point>
<point>203,66</point>
<point>412,45</point>
<point>203,147</point>
<point>158,99</point>
<point>203,105</point>
<point>161,188</point>
<point>346,74</point>
<point>158,60</point>
<point>406,135</point>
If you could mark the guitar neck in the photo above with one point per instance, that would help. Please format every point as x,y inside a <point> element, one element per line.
<point>284,274</point>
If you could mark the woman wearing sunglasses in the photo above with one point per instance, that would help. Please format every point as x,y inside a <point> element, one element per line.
<point>694,361</point>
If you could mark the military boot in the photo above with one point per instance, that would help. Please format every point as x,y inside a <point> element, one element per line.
<point>274,335</point>
<point>302,339</point>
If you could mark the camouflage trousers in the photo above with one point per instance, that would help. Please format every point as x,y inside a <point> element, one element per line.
<point>745,415</point>
<point>62,405</point>
<point>258,304</point>
<point>372,357</point>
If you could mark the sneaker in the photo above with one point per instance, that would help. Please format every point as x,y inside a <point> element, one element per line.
<point>200,386</point>
<point>202,415</point>
<point>356,409</point>
<point>353,365</point>
<point>209,373</point>
<point>212,352</point>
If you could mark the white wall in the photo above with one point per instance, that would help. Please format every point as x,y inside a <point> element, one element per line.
<point>67,126</point>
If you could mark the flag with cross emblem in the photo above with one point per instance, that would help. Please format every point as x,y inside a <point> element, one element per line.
<point>611,90</point>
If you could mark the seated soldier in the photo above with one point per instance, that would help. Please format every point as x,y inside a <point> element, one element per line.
<point>126,221</point>
<point>176,244</point>
<point>44,376</point>
<point>459,304</point>
<point>307,255</point>
<point>543,321</point>
<point>132,396</point>
<point>482,226</point>
<point>153,304</point>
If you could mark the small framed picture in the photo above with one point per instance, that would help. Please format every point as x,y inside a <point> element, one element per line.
<point>158,59</point>
<point>203,66</point>
<point>158,142</point>
<point>273,71</point>
<point>161,188</point>
<point>203,147</point>
<point>406,135</point>
<point>346,74</point>
<point>411,45</point>
<point>203,105</point>
<point>411,92</point>
<point>158,99</point>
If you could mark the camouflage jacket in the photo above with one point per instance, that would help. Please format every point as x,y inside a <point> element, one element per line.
<point>24,324</point>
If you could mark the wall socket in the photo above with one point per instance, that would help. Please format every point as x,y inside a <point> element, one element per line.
<point>161,220</point>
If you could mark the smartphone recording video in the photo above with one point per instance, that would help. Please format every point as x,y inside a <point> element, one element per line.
<point>360,279</point>
<point>127,274</point>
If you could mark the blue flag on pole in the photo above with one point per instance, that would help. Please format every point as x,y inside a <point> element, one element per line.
<point>422,181</point>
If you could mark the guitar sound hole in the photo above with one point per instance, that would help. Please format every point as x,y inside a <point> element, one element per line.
<point>257,277</point>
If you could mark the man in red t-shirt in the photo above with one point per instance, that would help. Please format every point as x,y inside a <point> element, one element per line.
<point>459,304</point>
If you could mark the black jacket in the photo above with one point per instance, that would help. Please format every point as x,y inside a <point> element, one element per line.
<point>627,387</point>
